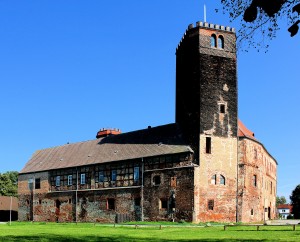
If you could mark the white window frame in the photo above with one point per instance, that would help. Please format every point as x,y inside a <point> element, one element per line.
<point>57,181</point>
<point>101,176</point>
<point>113,175</point>
<point>82,179</point>
<point>70,180</point>
<point>136,173</point>
<point>30,183</point>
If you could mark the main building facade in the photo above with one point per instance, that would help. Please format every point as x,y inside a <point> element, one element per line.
<point>207,166</point>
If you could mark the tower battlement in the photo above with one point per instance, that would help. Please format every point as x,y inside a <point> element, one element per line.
<point>208,26</point>
<point>212,26</point>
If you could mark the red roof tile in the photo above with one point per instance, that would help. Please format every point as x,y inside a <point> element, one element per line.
<point>285,206</point>
<point>243,131</point>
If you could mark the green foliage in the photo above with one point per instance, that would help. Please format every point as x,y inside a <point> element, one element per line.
<point>9,183</point>
<point>261,19</point>
<point>295,199</point>
<point>280,200</point>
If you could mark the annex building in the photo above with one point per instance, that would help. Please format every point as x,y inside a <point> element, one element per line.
<point>207,166</point>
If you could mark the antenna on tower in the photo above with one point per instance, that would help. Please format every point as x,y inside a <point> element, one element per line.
<point>204,13</point>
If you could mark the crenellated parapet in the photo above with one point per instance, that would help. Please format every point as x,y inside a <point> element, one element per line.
<point>208,26</point>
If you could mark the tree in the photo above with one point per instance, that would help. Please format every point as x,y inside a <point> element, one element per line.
<point>280,200</point>
<point>260,18</point>
<point>295,199</point>
<point>9,183</point>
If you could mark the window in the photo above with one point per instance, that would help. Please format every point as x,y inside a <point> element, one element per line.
<point>173,181</point>
<point>222,108</point>
<point>222,180</point>
<point>70,180</point>
<point>37,183</point>
<point>82,178</point>
<point>271,187</point>
<point>30,184</point>
<point>283,210</point>
<point>255,154</point>
<point>252,212</point>
<point>156,180</point>
<point>213,180</point>
<point>57,181</point>
<point>163,204</point>
<point>101,176</point>
<point>208,145</point>
<point>137,201</point>
<point>220,42</point>
<point>210,204</point>
<point>136,174</point>
<point>111,204</point>
<point>213,41</point>
<point>254,180</point>
<point>113,175</point>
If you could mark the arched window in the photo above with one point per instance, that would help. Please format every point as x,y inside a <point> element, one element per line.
<point>213,180</point>
<point>213,41</point>
<point>222,180</point>
<point>220,42</point>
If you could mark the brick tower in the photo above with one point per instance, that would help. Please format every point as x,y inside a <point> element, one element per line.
<point>206,110</point>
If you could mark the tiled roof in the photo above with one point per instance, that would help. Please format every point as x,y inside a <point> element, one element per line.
<point>156,141</point>
<point>243,131</point>
<point>5,203</point>
<point>285,206</point>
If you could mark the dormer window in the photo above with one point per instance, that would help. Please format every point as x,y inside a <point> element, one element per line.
<point>213,41</point>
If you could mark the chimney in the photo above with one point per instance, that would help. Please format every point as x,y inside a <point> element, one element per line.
<point>107,132</point>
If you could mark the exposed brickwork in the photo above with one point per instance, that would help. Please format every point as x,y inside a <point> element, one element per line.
<point>257,199</point>
<point>90,202</point>
<point>182,189</point>
<point>221,162</point>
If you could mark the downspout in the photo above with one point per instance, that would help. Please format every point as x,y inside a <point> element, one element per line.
<point>76,196</point>
<point>142,192</point>
<point>33,187</point>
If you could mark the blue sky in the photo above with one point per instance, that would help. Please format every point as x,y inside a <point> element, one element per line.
<point>69,68</point>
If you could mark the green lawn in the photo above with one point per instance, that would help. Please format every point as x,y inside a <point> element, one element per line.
<point>89,232</point>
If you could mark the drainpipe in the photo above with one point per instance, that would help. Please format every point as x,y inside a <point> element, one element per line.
<point>33,187</point>
<point>76,198</point>
<point>142,192</point>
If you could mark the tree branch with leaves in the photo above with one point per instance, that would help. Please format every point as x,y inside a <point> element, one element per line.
<point>260,19</point>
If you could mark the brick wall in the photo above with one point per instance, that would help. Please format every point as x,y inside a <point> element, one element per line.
<point>220,164</point>
<point>257,182</point>
<point>175,183</point>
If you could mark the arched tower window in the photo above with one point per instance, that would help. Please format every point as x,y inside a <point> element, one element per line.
<point>220,42</point>
<point>213,180</point>
<point>213,41</point>
<point>222,180</point>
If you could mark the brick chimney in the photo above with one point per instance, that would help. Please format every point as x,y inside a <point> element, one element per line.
<point>107,132</point>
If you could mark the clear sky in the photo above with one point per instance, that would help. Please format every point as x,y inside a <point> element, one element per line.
<point>69,68</point>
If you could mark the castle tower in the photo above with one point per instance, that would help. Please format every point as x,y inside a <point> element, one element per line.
<point>206,110</point>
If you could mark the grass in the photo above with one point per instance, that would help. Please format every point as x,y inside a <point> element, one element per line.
<point>62,232</point>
